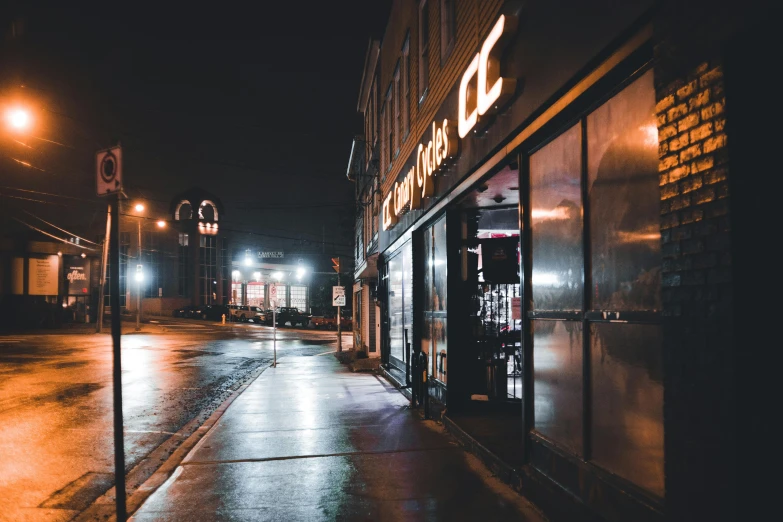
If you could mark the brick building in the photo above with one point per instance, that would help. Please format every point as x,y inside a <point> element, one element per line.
<point>568,199</point>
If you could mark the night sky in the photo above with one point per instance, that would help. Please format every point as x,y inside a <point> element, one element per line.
<point>255,102</point>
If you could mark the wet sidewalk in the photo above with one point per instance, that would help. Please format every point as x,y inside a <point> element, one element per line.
<point>309,440</point>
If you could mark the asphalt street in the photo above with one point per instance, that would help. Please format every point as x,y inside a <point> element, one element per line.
<point>56,430</point>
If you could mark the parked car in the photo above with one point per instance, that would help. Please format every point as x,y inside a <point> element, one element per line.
<point>185,311</point>
<point>291,315</point>
<point>328,321</point>
<point>242,313</point>
<point>213,312</point>
<point>259,315</point>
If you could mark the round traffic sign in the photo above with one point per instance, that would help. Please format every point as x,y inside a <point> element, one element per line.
<point>108,167</point>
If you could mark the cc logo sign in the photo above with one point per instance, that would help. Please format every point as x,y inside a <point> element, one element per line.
<point>482,90</point>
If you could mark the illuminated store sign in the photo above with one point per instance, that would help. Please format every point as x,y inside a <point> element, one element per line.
<point>481,91</point>
<point>407,193</point>
<point>489,91</point>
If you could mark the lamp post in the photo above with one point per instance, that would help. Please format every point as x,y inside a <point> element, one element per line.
<point>139,274</point>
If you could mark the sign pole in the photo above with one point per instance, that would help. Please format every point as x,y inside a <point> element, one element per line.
<point>104,260</point>
<point>114,303</point>
<point>274,334</point>
<point>339,322</point>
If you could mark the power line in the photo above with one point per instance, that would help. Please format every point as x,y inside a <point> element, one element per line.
<point>60,229</point>
<point>53,236</point>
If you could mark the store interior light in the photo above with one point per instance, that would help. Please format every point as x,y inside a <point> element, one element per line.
<point>248,261</point>
<point>300,272</point>
<point>278,276</point>
<point>257,276</point>
<point>139,277</point>
<point>235,274</point>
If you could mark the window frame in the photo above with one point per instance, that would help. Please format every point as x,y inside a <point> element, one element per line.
<point>424,50</point>
<point>448,28</point>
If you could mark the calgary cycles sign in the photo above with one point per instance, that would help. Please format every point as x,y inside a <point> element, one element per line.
<point>481,92</point>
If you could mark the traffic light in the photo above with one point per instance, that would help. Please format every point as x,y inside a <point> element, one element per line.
<point>336,264</point>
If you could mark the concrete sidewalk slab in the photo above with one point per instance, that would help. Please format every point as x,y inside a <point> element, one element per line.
<point>310,440</point>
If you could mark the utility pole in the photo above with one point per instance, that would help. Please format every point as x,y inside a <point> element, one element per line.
<point>138,283</point>
<point>336,266</point>
<point>114,302</point>
<point>104,260</point>
<point>109,183</point>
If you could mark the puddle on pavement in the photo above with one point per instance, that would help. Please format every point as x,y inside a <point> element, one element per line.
<point>70,392</point>
<point>79,494</point>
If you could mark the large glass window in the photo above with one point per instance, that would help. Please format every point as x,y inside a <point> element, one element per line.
<point>298,297</point>
<point>619,330</point>
<point>556,223</point>
<point>152,266</point>
<point>400,307</point>
<point>208,269</point>
<point>434,336</point>
<point>183,288</point>
<point>255,294</point>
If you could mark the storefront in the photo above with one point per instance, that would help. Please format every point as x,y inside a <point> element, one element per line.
<point>268,285</point>
<point>521,251</point>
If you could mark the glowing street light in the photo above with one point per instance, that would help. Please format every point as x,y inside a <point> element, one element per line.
<point>161,224</point>
<point>18,119</point>
<point>139,207</point>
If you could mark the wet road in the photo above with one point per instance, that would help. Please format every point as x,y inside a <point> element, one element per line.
<point>56,431</point>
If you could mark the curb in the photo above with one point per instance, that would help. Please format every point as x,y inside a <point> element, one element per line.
<point>104,509</point>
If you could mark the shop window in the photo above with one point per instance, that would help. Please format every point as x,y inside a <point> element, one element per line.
<point>624,200</point>
<point>627,427</point>
<point>434,331</point>
<point>621,199</point>
<point>556,223</point>
<point>400,306</point>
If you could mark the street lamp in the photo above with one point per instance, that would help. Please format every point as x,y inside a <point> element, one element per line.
<point>18,118</point>
<point>161,224</point>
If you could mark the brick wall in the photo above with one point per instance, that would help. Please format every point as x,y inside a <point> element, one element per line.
<point>694,194</point>
<point>696,291</point>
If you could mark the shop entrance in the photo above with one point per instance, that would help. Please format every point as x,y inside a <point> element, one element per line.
<point>490,277</point>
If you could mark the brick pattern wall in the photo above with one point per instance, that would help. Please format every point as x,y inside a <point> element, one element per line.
<point>695,229</point>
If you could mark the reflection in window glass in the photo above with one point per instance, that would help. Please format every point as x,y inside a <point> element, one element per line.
<point>622,151</point>
<point>627,430</point>
<point>400,307</point>
<point>557,377</point>
<point>556,223</point>
<point>434,338</point>
<point>395,310</point>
